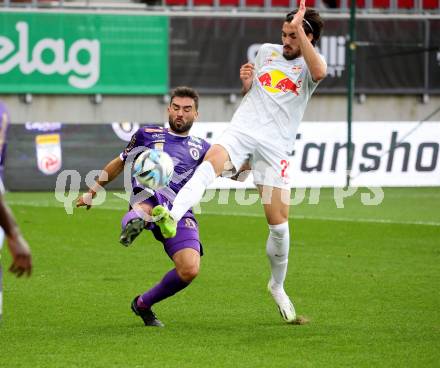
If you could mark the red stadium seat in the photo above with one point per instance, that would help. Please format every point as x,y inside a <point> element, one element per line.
<point>203,2</point>
<point>402,4</point>
<point>286,3</point>
<point>229,2</point>
<point>176,2</point>
<point>359,3</point>
<point>282,3</point>
<point>430,4</point>
<point>405,4</point>
<point>381,4</point>
<point>259,3</point>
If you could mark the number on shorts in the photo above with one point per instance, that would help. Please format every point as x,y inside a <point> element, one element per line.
<point>284,167</point>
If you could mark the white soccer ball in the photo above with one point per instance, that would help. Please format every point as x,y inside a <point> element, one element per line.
<point>153,169</point>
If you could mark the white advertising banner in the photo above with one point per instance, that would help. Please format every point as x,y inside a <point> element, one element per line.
<point>384,154</point>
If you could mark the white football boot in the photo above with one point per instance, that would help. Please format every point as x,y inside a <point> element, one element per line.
<point>285,306</point>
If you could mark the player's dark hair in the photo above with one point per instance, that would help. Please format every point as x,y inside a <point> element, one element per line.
<point>185,92</point>
<point>313,23</point>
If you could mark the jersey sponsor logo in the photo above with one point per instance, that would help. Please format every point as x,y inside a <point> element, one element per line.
<point>275,81</point>
<point>195,153</point>
<point>199,146</point>
<point>158,135</point>
<point>196,139</point>
<point>153,130</point>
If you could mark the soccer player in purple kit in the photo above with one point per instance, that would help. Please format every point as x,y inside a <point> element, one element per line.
<point>17,244</point>
<point>187,152</point>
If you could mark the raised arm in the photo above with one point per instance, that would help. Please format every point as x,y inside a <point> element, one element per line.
<point>18,246</point>
<point>108,174</point>
<point>316,65</point>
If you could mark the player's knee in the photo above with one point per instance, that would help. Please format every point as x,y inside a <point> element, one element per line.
<point>277,217</point>
<point>188,272</point>
<point>279,231</point>
<point>218,157</point>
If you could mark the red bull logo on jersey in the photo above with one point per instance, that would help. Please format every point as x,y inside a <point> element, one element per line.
<point>276,81</point>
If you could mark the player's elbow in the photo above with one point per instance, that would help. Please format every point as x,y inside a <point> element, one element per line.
<point>319,74</point>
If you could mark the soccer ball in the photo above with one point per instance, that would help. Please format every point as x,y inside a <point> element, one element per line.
<point>153,169</point>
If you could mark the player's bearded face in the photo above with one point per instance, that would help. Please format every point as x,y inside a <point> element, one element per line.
<point>291,48</point>
<point>182,113</point>
<point>290,53</point>
<point>180,125</point>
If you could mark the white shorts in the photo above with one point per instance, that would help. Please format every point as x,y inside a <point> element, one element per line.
<point>269,162</point>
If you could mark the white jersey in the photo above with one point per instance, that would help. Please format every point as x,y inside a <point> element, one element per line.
<point>274,106</point>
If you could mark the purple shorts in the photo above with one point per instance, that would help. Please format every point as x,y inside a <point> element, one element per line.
<point>187,235</point>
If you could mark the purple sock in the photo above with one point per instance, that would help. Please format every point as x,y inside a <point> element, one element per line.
<point>169,285</point>
<point>130,215</point>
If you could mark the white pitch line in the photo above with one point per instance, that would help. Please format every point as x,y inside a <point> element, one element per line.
<point>214,213</point>
<point>337,219</point>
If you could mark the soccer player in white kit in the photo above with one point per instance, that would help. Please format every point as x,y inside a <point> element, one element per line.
<point>262,131</point>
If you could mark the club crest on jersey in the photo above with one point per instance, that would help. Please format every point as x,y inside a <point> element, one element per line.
<point>275,81</point>
<point>195,153</point>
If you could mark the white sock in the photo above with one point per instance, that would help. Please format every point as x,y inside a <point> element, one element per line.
<point>192,192</point>
<point>277,249</point>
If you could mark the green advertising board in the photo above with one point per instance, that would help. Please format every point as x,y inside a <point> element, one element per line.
<point>83,53</point>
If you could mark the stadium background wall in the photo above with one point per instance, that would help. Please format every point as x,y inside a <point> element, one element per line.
<point>393,56</point>
<point>398,62</point>
<point>126,54</point>
<point>385,154</point>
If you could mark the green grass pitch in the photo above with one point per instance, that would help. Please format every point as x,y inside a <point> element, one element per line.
<point>368,277</point>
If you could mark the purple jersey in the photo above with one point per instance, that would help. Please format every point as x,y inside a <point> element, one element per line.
<point>187,152</point>
<point>4,124</point>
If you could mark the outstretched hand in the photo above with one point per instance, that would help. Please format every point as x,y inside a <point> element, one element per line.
<point>21,256</point>
<point>85,200</point>
<point>298,19</point>
<point>247,75</point>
